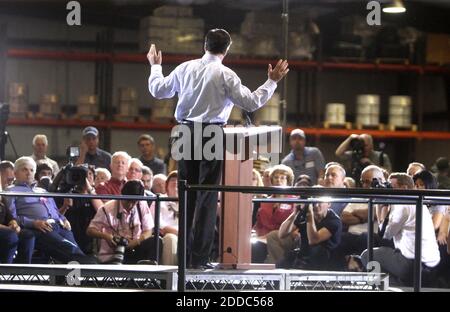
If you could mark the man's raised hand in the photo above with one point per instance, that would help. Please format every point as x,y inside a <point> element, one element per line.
<point>280,70</point>
<point>153,56</point>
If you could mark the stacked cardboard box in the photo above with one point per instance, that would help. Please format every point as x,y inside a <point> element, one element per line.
<point>163,110</point>
<point>239,45</point>
<point>18,98</point>
<point>174,30</point>
<point>87,105</point>
<point>128,106</point>
<point>49,105</point>
<point>262,32</point>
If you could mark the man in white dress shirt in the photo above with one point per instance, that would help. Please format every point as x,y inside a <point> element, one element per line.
<point>207,91</point>
<point>401,227</point>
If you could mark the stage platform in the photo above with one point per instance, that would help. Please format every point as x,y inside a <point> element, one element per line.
<point>165,278</point>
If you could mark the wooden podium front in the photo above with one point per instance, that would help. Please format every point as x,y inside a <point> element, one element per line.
<point>236,209</point>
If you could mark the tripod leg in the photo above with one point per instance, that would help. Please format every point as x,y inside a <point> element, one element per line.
<point>7,135</point>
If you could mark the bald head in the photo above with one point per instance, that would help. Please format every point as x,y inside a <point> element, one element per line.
<point>369,173</point>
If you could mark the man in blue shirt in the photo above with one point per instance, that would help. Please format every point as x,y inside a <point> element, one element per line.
<point>304,159</point>
<point>207,91</point>
<point>40,214</point>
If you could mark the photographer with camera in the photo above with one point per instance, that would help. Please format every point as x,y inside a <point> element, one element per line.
<point>357,151</point>
<point>124,229</point>
<point>315,230</point>
<point>80,211</point>
<point>77,179</point>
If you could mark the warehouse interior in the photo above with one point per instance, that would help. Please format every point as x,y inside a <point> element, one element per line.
<point>321,32</point>
<point>79,70</point>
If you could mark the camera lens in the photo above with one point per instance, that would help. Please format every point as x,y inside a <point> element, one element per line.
<point>119,252</point>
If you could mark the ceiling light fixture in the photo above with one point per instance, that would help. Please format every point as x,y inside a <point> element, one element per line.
<point>394,6</point>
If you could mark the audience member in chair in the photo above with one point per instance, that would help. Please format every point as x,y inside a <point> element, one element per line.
<point>120,163</point>
<point>40,214</point>
<point>44,175</point>
<point>256,181</point>
<point>414,167</point>
<point>354,219</point>
<point>159,184</point>
<point>124,219</point>
<point>147,178</point>
<point>424,180</point>
<point>6,173</point>
<point>399,262</point>
<point>102,175</point>
<point>271,215</point>
<point>14,239</point>
<point>280,242</point>
<point>316,230</point>
<point>334,178</point>
<point>169,221</point>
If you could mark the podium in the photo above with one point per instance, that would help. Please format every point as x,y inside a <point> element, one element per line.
<point>242,145</point>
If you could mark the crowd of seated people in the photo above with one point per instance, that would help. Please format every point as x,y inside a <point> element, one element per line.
<point>325,235</point>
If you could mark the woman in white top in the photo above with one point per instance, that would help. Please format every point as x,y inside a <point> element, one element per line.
<point>169,221</point>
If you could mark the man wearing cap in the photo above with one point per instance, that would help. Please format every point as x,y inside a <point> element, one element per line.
<point>304,159</point>
<point>89,151</point>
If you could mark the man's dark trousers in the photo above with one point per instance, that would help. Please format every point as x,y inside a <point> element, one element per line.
<point>201,206</point>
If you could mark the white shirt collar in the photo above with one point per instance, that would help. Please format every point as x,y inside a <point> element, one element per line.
<point>209,57</point>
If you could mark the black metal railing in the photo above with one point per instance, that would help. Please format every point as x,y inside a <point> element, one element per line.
<point>155,198</point>
<point>369,196</point>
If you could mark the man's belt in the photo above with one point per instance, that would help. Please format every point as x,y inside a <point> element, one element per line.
<point>191,123</point>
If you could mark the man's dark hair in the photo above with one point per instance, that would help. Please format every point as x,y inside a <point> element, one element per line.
<point>146,170</point>
<point>217,41</point>
<point>42,167</point>
<point>5,164</point>
<point>133,187</point>
<point>146,137</point>
<point>427,178</point>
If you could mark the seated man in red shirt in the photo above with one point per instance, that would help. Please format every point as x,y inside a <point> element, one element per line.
<point>120,163</point>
